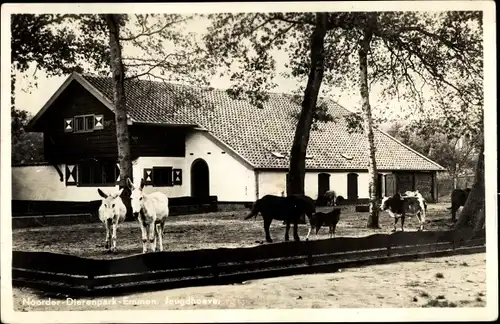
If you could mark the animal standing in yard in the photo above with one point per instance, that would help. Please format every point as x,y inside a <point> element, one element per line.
<point>399,207</point>
<point>458,199</point>
<point>289,209</point>
<point>112,212</point>
<point>151,211</point>
<point>331,198</point>
<point>319,219</point>
<point>421,200</point>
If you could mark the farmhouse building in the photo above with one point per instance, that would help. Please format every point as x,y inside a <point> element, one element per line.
<point>214,145</point>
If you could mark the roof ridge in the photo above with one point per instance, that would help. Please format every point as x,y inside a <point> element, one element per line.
<point>281,94</point>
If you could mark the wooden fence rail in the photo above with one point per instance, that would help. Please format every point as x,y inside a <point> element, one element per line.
<point>74,275</point>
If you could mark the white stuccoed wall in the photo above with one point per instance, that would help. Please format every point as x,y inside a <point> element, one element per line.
<point>42,183</point>
<point>230,178</point>
<point>274,182</point>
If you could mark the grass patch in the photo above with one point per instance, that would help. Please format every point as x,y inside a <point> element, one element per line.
<point>413,284</point>
<point>479,299</point>
<point>464,264</point>
<point>439,275</point>
<point>424,294</point>
<point>481,294</point>
<point>440,297</point>
<point>439,303</point>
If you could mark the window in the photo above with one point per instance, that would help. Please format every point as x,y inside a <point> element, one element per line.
<point>84,123</point>
<point>162,177</point>
<point>97,173</point>
<point>89,123</point>
<point>79,124</point>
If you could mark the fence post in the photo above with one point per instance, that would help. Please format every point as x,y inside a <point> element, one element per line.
<point>90,276</point>
<point>309,253</point>
<point>215,261</point>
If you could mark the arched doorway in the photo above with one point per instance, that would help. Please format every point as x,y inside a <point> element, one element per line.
<point>323,187</point>
<point>200,180</point>
<point>352,186</point>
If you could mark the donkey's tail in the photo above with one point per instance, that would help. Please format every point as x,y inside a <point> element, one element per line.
<point>254,212</point>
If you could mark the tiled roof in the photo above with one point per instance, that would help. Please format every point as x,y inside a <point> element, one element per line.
<point>255,133</point>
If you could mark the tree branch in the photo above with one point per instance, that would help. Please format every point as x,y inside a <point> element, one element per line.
<point>151,33</point>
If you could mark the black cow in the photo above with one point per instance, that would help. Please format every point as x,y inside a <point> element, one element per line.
<point>398,207</point>
<point>319,219</point>
<point>289,209</point>
<point>458,199</point>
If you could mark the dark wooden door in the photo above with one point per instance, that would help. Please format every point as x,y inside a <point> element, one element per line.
<point>200,180</point>
<point>323,187</point>
<point>352,186</point>
<point>390,185</point>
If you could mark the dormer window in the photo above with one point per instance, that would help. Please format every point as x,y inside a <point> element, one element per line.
<point>278,155</point>
<point>309,156</point>
<point>346,156</point>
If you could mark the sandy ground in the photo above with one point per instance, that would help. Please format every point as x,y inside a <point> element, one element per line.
<point>214,230</point>
<point>458,281</point>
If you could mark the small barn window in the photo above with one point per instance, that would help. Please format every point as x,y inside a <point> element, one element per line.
<point>79,124</point>
<point>89,123</point>
<point>162,177</point>
<point>84,123</point>
<point>97,173</point>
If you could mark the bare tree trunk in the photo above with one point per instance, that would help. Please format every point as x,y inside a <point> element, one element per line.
<point>455,180</point>
<point>368,128</point>
<point>303,129</point>
<point>471,215</point>
<point>122,135</point>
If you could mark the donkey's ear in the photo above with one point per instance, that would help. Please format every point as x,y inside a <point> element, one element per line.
<point>102,194</point>
<point>143,183</point>
<point>130,185</point>
<point>119,192</point>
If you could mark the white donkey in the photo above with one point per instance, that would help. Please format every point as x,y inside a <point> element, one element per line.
<point>112,212</point>
<point>151,211</point>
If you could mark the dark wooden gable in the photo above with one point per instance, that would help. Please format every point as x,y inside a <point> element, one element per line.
<point>63,142</point>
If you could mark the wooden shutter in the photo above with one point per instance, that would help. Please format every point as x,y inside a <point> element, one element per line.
<point>169,174</point>
<point>71,175</point>
<point>148,176</point>
<point>98,122</point>
<point>68,125</point>
<point>177,177</point>
<point>117,173</point>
